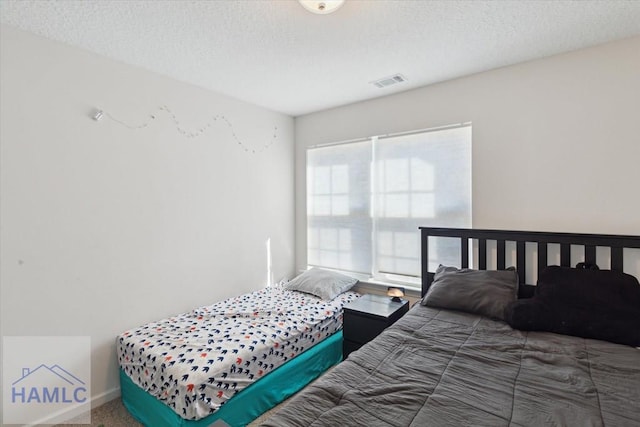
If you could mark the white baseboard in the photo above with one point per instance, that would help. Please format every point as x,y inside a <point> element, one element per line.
<point>105,397</point>
<point>79,412</point>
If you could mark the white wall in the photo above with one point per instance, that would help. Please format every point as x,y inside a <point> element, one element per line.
<point>556,141</point>
<point>104,227</point>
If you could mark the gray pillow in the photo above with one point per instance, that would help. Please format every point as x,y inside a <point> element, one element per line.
<point>321,283</point>
<point>485,292</point>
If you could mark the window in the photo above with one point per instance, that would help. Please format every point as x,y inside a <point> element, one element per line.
<point>366,200</point>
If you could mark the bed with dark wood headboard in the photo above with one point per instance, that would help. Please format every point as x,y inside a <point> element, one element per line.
<point>442,366</point>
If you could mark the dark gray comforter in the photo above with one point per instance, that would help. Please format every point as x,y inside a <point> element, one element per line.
<point>445,368</point>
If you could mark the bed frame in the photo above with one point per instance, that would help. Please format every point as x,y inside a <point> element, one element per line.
<point>616,244</point>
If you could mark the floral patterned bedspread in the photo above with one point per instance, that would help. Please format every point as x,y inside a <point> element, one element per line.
<point>196,361</point>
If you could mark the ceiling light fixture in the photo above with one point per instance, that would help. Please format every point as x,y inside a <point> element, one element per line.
<point>321,7</point>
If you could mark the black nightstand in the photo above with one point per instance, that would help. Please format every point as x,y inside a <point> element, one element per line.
<point>366,317</point>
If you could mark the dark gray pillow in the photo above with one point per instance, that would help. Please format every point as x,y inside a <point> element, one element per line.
<point>485,292</point>
<point>321,283</point>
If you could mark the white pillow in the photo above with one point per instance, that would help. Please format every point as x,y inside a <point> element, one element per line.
<point>321,283</point>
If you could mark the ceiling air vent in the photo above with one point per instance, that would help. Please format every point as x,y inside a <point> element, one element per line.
<point>388,81</point>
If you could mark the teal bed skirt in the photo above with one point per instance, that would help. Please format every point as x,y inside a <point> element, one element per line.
<point>249,403</point>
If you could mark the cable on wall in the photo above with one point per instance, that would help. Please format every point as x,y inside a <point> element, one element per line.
<point>100,114</point>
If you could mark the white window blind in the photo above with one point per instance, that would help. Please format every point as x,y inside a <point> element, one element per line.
<point>366,200</point>
<point>338,207</point>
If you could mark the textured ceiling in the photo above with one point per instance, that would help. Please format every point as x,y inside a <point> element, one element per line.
<point>276,54</point>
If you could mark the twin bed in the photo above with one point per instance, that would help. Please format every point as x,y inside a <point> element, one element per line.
<point>453,361</point>
<point>232,360</point>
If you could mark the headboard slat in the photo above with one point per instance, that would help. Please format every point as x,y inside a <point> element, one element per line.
<point>464,252</point>
<point>565,255</point>
<point>617,262</point>
<point>501,255</point>
<point>543,258</point>
<point>520,260</point>
<point>482,254</point>
<point>590,254</point>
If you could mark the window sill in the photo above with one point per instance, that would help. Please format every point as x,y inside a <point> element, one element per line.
<point>368,284</point>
